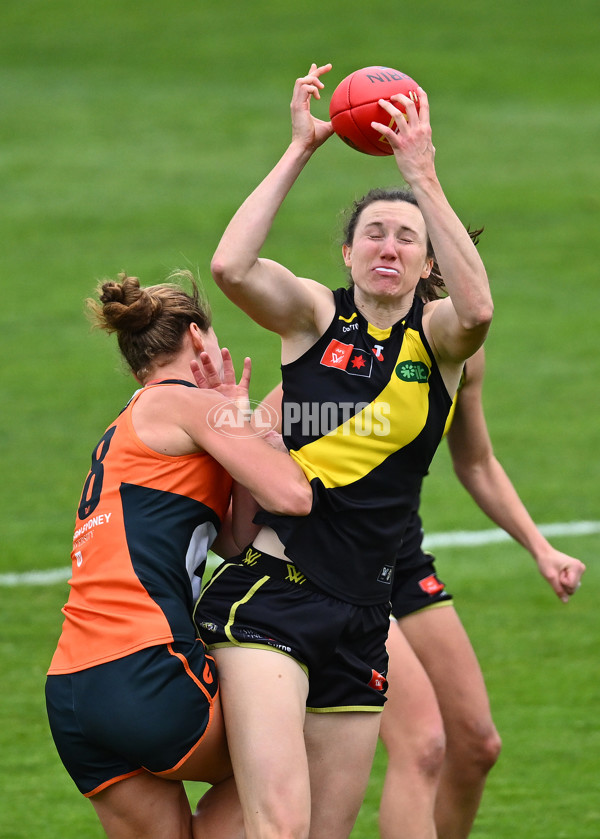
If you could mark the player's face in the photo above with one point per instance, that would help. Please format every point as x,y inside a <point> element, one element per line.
<point>388,254</point>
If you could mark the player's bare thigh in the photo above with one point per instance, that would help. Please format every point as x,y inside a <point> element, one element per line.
<point>411,712</point>
<point>340,748</point>
<point>442,645</point>
<point>263,694</point>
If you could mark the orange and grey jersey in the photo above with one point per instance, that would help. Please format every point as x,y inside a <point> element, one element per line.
<point>143,528</point>
<point>364,410</point>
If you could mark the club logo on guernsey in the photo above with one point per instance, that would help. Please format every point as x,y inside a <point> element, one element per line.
<point>347,357</point>
<point>294,575</point>
<point>251,557</point>
<point>412,371</point>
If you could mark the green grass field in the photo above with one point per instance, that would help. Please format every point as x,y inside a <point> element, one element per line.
<point>129,133</point>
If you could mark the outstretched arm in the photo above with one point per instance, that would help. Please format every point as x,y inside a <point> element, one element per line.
<point>484,478</point>
<point>457,325</point>
<point>270,293</point>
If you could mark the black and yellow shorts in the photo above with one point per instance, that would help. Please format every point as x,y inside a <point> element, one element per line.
<point>145,711</point>
<point>257,600</point>
<point>417,587</point>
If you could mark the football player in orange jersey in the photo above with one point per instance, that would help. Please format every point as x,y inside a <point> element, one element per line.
<point>132,697</point>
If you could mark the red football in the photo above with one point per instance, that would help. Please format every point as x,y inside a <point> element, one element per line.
<point>354,106</point>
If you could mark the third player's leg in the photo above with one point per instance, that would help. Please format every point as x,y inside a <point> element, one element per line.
<point>472,742</point>
<point>413,735</point>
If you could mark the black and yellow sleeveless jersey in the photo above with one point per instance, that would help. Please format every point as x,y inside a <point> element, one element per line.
<point>364,410</point>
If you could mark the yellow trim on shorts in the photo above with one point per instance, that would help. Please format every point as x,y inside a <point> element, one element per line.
<point>437,605</point>
<point>233,642</point>
<point>234,608</point>
<point>252,645</point>
<point>340,709</point>
<point>216,573</point>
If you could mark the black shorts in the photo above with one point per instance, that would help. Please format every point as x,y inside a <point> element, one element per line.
<point>417,587</point>
<point>145,711</point>
<point>264,602</point>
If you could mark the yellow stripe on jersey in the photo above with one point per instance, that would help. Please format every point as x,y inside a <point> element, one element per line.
<point>377,333</point>
<point>450,416</point>
<point>336,459</point>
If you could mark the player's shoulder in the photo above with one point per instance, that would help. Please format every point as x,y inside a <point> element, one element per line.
<point>312,319</point>
<point>177,393</point>
<point>318,289</point>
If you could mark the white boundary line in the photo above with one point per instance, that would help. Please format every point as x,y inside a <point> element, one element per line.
<point>452,539</point>
<point>472,538</point>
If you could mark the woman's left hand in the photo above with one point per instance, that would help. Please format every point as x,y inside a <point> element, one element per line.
<point>207,376</point>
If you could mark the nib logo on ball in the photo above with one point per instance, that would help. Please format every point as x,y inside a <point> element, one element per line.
<point>355,105</point>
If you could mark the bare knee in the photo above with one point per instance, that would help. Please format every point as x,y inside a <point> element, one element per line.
<point>285,821</point>
<point>424,749</point>
<point>219,813</point>
<point>477,745</point>
<point>490,746</point>
<point>430,753</point>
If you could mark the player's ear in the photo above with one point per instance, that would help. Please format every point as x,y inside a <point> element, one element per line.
<point>427,268</point>
<point>196,336</point>
<point>347,254</point>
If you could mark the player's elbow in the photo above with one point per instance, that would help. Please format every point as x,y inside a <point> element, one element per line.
<point>296,501</point>
<point>485,314</point>
<point>300,502</point>
<point>484,306</point>
<point>481,310</point>
<point>224,272</point>
<point>478,320</point>
<point>218,269</point>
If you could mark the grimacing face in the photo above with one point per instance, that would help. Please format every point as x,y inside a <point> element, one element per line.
<point>388,254</point>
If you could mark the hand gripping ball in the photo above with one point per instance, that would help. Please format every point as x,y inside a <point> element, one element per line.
<point>354,106</point>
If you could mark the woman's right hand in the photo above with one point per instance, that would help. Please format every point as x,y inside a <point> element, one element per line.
<point>307,130</point>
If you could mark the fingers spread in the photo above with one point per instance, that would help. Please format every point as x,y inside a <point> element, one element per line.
<point>206,374</point>
<point>198,374</point>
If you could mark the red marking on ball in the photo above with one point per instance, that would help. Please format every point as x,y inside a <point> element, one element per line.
<point>354,106</point>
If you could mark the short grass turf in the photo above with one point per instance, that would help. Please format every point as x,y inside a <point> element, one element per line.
<point>130,133</point>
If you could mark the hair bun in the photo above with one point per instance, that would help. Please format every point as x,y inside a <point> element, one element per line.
<point>126,306</point>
